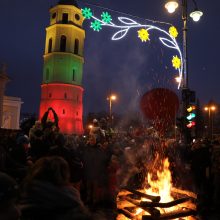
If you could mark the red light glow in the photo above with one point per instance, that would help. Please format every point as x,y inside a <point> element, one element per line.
<point>66,100</point>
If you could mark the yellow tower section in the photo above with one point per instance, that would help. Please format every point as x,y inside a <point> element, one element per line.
<point>63,66</point>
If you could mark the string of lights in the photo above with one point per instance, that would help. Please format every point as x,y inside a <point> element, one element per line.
<point>123,13</point>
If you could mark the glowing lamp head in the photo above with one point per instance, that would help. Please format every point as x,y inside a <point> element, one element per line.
<point>171,6</point>
<point>113,97</point>
<point>90,126</point>
<point>213,108</point>
<point>196,15</point>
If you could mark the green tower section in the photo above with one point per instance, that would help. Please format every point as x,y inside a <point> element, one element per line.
<point>63,68</point>
<point>63,56</point>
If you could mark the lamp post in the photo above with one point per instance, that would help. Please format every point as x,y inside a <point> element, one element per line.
<point>171,6</point>
<point>111,98</point>
<point>210,109</point>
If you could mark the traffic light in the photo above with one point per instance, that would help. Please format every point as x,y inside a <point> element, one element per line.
<point>191,116</point>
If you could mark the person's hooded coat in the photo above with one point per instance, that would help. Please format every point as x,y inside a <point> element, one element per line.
<point>42,200</point>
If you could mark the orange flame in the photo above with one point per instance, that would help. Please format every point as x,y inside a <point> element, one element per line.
<point>161,184</point>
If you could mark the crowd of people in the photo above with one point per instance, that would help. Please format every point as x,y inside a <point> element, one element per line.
<point>48,175</point>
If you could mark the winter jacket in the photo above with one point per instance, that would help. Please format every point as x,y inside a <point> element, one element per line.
<point>44,201</point>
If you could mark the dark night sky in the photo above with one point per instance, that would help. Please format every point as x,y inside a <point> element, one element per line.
<point>128,67</point>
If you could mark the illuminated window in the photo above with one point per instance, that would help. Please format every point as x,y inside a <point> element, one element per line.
<point>50,46</point>
<point>73,76</point>
<point>76,46</point>
<point>65,95</point>
<point>65,18</point>
<point>63,43</point>
<point>64,111</point>
<point>47,74</point>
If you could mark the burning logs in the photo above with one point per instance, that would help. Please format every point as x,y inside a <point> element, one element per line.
<point>151,210</point>
<point>183,192</point>
<point>126,213</point>
<point>171,215</point>
<point>144,195</point>
<point>130,201</point>
<point>164,205</point>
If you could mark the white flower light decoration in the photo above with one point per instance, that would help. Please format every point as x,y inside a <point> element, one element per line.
<point>143,33</point>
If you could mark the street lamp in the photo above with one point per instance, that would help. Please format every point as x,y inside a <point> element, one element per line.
<point>90,126</point>
<point>209,109</point>
<point>196,15</point>
<point>171,6</point>
<point>111,98</point>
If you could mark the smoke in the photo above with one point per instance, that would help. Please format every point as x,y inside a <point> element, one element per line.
<point>116,67</point>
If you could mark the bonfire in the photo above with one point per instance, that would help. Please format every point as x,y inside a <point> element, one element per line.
<point>159,200</point>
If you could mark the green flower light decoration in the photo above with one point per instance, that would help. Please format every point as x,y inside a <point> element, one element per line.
<point>106,17</point>
<point>96,25</point>
<point>87,13</point>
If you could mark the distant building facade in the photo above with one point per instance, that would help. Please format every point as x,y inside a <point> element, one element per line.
<point>11,112</point>
<point>62,88</point>
<point>10,107</point>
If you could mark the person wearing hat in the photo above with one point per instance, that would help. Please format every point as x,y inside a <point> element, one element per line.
<point>8,195</point>
<point>96,130</point>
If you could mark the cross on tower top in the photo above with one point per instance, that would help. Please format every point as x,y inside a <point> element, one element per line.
<point>68,2</point>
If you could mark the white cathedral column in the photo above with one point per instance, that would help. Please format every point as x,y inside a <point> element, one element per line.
<point>3,80</point>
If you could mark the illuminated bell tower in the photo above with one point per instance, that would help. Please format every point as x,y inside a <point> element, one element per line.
<point>62,88</point>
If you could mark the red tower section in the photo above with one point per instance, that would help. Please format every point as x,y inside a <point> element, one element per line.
<point>66,100</point>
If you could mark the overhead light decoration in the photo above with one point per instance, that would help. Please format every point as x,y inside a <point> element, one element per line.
<point>87,13</point>
<point>143,32</point>
<point>106,17</point>
<point>176,62</point>
<point>143,35</point>
<point>96,25</point>
<point>173,31</point>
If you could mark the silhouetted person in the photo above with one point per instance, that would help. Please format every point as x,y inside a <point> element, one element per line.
<point>48,194</point>
<point>8,195</point>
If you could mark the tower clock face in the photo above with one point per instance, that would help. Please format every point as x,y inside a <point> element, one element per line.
<point>77,17</point>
